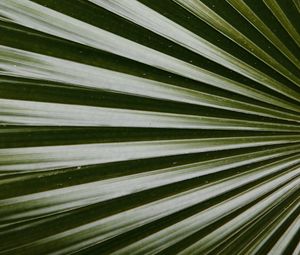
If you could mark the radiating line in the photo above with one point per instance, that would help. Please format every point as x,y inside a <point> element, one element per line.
<point>250,15</point>
<point>283,19</point>
<point>120,157</point>
<point>77,31</point>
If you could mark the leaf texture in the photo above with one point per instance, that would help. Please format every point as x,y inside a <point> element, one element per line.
<point>150,127</point>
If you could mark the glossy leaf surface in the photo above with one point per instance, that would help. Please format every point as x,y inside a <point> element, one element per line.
<point>150,127</point>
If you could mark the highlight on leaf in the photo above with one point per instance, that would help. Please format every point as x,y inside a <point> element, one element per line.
<point>150,127</point>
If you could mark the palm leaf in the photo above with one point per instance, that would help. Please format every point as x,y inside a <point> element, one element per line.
<point>149,127</point>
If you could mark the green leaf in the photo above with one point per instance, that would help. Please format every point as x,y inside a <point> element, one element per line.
<point>149,127</point>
